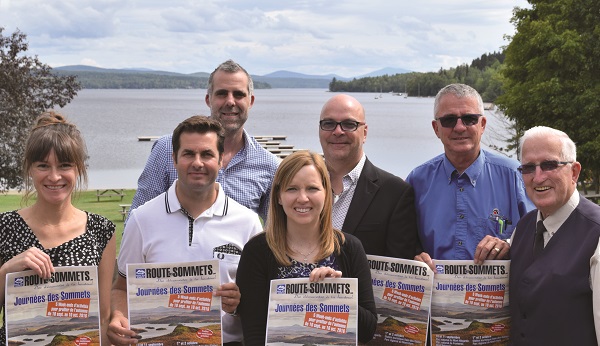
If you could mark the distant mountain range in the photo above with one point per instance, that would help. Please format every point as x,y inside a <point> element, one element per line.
<point>96,77</point>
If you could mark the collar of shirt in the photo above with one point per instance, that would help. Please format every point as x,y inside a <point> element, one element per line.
<point>219,208</point>
<point>341,203</point>
<point>472,172</point>
<point>351,178</point>
<point>554,221</point>
<point>249,142</point>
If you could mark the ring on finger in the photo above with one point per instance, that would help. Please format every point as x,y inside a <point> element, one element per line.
<point>497,249</point>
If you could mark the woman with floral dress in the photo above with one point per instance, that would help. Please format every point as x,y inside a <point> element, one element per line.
<point>51,232</point>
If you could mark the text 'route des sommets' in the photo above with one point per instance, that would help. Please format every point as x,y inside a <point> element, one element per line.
<point>68,276</point>
<point>315,288</point>
<point>176,272</point>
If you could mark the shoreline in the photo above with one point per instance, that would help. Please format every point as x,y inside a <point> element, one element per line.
<point>15,192</point>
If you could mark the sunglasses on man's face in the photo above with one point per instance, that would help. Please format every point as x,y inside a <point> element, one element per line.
<point>546,166</point>
<point>450,120</point>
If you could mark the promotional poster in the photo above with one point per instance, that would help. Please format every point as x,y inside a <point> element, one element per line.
<point>402,290</point>
<point>173,303</point>
<point>470,303</point>
<point>61,310</point>
<point>313,313</point>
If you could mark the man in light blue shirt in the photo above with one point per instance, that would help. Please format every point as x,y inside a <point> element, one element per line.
<point>248,168</point>
<point>468,200</point>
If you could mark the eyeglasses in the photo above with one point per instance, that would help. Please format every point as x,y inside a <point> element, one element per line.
<point>545,166</point>
<point>346,125</point>
<point>450,120</point>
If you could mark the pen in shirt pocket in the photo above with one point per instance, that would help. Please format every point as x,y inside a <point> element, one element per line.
<point>501,223</point>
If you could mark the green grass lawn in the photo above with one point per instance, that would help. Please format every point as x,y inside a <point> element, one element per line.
<point>86,200</point>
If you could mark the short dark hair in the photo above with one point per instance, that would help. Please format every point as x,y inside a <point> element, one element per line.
<point>199,124</point>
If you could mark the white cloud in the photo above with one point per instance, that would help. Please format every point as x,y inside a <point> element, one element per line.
<point>312,36</point>
<point>89,62</point>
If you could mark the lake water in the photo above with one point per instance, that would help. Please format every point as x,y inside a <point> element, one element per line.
<point>399,138</point>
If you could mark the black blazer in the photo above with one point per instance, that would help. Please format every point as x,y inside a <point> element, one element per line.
<point>382,214</point>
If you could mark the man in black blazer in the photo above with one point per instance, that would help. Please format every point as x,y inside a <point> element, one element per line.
<point>370,203</point>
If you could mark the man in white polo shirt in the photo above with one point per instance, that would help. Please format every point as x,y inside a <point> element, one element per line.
<point>194,220</point>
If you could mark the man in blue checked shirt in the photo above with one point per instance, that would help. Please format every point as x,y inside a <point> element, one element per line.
<point>248,168</point>
<point>468,200</point>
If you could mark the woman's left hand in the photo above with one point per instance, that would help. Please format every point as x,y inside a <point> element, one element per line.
<point>318,274</point>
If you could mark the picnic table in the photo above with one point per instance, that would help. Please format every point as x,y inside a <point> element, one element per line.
<point>124,210</point>
<point>110,193</point>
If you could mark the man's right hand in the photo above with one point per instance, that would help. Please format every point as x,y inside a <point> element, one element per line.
<point>119,333</point>
<point>424,257</point>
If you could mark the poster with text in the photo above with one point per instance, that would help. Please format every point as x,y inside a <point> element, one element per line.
<point>172,304</point>
<point>313,313</point>
<point>402,290</point>
<point>470,303</point>
<point>61,310</point>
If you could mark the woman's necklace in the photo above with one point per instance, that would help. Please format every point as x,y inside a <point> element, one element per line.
<point>306,255</point>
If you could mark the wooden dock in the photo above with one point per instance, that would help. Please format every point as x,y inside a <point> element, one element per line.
<point>272,143</point>
<point>147,138</point>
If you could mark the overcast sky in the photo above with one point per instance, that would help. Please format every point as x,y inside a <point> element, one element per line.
<point>348,38</point>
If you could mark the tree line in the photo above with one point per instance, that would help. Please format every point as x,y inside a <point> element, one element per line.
<point>483,74</point>
<point>140,80</point>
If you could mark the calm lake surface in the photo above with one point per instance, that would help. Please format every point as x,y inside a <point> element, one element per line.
<point>399,138</point>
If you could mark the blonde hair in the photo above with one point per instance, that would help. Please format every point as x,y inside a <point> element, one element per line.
<point>330,239</point>
<point>52,131</point>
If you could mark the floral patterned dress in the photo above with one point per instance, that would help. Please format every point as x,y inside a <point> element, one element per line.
<point>302,270</point>
<point>83,250</point>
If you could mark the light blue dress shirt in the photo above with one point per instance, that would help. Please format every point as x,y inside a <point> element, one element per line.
<point>247,178</point>
<point>456,211</point>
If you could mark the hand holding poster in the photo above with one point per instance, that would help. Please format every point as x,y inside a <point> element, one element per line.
<point>402,291</point>
<point>173,303</point>
<point>470,303</point>
<point>62,309</point>
<point>304,312</point>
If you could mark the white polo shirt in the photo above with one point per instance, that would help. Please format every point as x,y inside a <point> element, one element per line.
<point>159,232</point>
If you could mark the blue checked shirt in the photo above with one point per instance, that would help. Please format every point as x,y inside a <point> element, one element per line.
<point>247,178</point>
<point>456,211</point>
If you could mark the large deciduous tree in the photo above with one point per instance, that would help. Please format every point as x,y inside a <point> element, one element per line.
<point>27,88</point>
<point>552,73</point>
